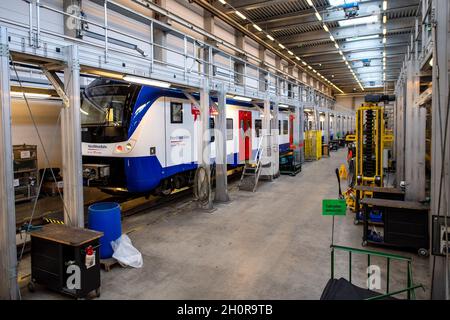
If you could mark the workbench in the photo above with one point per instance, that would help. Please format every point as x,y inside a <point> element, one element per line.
<point>379,193</point>
<point>57,250</point>
<point>404,224</point>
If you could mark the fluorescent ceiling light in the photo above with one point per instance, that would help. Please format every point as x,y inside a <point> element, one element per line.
<point>384,40</point>
<point>290,52</point>
<point>336,45</point>
<point>374,36</point>
<point>19,94</point>
<point>257,27</point>
<point>283,106</point>
<point>358,21</point>
<point>310,3</point>
<point>384,5</point>
<point>245,99</point>
<point>281,46</point>
<point>222,1</point>
<point>341,53</point>
<point>384,31</point>
<point>270,37</point>
<point>331,37</point>
<point>384,18</point>
<point>318,16</point>
<point>304,63</point>
<point>84,112</point>
<point>145,81</point>
<point>326,28</point>
<point>240,15</point>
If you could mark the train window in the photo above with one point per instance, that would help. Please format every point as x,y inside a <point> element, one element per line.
<point>279,127</point>
<point>104,104</point>
<point>229,129</point>
<point>285,127</point>
<point>258,127</point>
<point>176,112</point>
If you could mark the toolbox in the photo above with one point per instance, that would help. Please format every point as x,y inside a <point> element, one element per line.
<point>66,259</point>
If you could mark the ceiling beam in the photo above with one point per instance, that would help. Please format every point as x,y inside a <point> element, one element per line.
<point>255,4</point>
<point>301,18</point>
<point>393,26</point>
<point>357,56</point>
<point>354,46</point>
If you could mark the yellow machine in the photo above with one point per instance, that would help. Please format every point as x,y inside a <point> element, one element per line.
<point>370,140</point>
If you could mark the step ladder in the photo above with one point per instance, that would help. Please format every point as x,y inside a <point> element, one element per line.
<point>252,170</point>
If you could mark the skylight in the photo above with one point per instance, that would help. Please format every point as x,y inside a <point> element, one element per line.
<point>375,36</point>
<point>358,21</point>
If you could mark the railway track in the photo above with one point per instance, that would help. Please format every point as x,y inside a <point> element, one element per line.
<point>131,205</point>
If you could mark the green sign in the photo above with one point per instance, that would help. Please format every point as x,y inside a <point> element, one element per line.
<point>334,207</point>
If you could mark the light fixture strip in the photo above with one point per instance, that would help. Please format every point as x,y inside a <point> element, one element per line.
<point>325,27</point>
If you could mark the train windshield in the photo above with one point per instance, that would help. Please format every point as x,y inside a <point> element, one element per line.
<point>105,104</point>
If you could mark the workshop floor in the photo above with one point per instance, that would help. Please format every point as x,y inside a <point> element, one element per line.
<point>273,244</point>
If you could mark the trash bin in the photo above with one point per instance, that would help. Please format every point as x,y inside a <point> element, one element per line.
<point>106,217</point>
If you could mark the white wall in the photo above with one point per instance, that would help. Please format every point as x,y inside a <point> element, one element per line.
<point>45,114</point>
<point>345,103</point>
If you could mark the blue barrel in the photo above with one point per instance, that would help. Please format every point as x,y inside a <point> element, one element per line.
<point>106,217</point>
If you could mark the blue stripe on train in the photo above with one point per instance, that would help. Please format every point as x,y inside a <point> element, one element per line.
<point>145,173</point>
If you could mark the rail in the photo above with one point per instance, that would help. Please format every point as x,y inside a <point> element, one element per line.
<point>184,65</point>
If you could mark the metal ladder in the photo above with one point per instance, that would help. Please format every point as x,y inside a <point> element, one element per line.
<point>252,170</point>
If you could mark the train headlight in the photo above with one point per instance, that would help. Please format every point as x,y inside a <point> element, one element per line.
<point>124,147</point>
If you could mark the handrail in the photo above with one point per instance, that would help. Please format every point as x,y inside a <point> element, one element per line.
<point>373,253</point>
<point>292,89</point>
<point>410,287</point>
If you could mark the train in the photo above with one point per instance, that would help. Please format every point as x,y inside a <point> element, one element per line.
<point>140,139</point>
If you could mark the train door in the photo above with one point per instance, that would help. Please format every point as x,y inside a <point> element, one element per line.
<point>291,129</point>
<point>245,135</point>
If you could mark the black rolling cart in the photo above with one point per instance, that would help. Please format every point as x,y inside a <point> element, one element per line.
<point>59,252</point>
<point>404,224</point>
<point>375,192</point>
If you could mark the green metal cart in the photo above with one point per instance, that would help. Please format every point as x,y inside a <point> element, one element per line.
<point>337,289</point>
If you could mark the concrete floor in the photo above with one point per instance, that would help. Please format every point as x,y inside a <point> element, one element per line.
<point>273,244</point>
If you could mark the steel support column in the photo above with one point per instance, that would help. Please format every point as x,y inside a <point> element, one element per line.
<point>267,171</point>
<point>8,252</point>
<point>275,141</point>
<point>440,160</point>
<point>221,193</point>
<point>204,159</point>
<point>326,128</point>
<point>414,134</point>
<point>71,143</point>
<point>297,135</point>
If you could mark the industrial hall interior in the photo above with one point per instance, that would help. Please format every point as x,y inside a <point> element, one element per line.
<point>200,150</point>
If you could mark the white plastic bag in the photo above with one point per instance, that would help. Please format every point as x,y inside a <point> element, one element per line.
<point>125,253</point>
